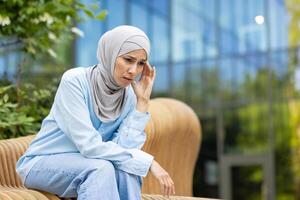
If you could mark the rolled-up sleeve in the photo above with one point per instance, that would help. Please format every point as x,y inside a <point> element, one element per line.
<point>72,117</point>
<point>130,133</point>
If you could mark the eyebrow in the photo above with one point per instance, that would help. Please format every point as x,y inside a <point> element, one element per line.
<point>144,60</point>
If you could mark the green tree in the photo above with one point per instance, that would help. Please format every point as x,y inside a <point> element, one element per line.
<point>37,25</point>
<point>34,27</point>
<point>246,123</point>
<point>294,29</point>
<point>23,117</point>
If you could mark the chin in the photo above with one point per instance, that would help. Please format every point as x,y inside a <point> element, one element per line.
<point>126,85</point>
<point>123,85</point>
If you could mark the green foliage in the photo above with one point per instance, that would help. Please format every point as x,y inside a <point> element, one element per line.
<point>247,114</point>
<point>252,137</point>
<point>294,29</point>
<point>24,117</point>
<point>38,25</point>
<point>9,117</point>
<point>254,123</point>
<point>295,142</point>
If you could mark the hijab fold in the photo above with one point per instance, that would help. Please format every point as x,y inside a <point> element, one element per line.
<point>108,97</point>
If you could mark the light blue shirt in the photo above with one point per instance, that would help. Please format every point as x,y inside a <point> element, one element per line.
<point>72,126</point>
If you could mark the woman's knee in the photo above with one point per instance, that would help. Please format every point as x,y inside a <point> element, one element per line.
<point>98,181</point>
<point>126,177</point>
<point>103,168</point>
<point>107,167</point>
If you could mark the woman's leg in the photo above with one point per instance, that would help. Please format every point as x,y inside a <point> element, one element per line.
<point>71,175</point>
<point>129,185</point>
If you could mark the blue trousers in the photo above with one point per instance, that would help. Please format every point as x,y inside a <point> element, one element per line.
<point>72,175</point>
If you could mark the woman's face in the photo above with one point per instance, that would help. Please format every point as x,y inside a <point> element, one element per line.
<point>128,66</point>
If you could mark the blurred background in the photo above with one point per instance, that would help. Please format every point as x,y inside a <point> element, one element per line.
<point>235,62</point>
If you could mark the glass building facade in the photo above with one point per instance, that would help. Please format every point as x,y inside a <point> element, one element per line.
<point>233,63</point>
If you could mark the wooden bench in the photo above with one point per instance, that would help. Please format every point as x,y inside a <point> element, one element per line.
<point>173,138</point>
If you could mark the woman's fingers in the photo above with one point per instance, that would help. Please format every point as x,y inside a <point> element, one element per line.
<point>168,192</point>
<point>148,75</point>
<point>167,186</point>
<point>146,72</point>
<point>170,186</point>
<point>148,69</point>
<point>173,187</point>
<point>153,73</point>
<point>166,183</point>
<point>162,186</point>
<point>133,84</point>
<point>145,69</point>
<point>172,191</point>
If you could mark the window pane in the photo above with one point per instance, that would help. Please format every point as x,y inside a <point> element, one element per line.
<point>138,16</point>
<point>160,40</point>
<point>86,47</point>
<point>161,83</point>
<point>116,10</point>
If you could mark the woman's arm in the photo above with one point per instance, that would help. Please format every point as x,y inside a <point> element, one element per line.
<point>143,90</point>
<point>72,116</point>
<point>130,133</point>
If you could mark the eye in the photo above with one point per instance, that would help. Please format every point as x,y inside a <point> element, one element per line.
<point>128,60</point>
<point>142,63</point>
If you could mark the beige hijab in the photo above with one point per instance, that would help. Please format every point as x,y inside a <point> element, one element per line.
<point>108,98</point>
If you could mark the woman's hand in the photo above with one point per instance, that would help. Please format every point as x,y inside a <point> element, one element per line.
<point>165,181</point>
<point>143,87</point>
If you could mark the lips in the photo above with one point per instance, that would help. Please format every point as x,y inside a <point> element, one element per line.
<point>128,79</point>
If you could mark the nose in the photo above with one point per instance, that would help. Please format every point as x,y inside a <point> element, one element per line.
<point>133,69</point>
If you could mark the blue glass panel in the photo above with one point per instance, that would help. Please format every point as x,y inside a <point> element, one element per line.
<point>282,79</point>
<point>162,80</point>
<point>177,50</point>
<point>86,47</point>
<point>260,79</point>
<point>225,77</point>
<point>116,13</point>
<point>138,16</point>
<point>179,87</point>
<point>2,65</point>
<point>279,24</point>
<point>9,62</point>
<point>209,40</point>
<point>142,2</point>
<point>207,9</point>
<point>204,83</point>
<point>199,34</point>
<point>161,6</point>
<point>160,42</point>
<point>224,14</point>
<point>239,31</point>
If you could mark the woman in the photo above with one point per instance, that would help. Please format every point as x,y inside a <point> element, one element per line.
<point>89,145</point>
